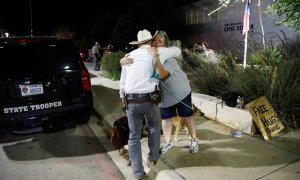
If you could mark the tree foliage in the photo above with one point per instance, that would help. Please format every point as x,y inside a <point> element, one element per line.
<point>289,10</point>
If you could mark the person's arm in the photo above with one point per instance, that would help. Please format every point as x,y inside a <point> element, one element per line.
<point>159,68</point>
<point>93,50</point>
<point>122,82</point>
<point>126,60</point>
<point>168,52</point>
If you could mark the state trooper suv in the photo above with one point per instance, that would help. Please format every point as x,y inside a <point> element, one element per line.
<point>43,81</point>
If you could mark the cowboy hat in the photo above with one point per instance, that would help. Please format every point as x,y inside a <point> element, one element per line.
<point>143,36</point>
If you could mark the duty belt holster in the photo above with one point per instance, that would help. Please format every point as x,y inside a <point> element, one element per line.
<point>153,97</point>
<point>125,101</point>
<point>156,95</point>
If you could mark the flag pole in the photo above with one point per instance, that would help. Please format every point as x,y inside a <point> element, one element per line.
<point>245,49</point>
<point>246,25</point>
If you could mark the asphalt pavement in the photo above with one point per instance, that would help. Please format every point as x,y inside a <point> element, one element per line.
<point>220,156</point>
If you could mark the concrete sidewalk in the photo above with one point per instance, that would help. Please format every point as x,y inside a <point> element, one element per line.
<point>220,156</point>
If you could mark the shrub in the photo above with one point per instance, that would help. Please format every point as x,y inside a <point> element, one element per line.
<point>275,75</point>
<point>110,63</point>
<point>285,92</point>
<point>205,75</point>
<point>272,72</point>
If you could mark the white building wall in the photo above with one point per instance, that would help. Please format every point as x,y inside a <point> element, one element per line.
<point>225,29</point>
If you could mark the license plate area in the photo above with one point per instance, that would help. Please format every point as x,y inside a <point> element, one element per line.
<point>31,89</point>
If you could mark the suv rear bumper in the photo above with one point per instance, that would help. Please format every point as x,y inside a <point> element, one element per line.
<point>72,113</point>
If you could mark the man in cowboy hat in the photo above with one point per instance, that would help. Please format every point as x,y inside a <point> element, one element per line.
<point>137,89</point>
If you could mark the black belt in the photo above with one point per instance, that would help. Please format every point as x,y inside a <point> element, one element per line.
<point>138,100</point>
<point>142,95</point>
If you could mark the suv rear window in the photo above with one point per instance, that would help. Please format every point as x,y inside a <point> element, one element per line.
<point>20,57</point>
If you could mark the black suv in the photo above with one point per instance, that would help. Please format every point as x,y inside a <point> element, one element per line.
<point>43,81</point>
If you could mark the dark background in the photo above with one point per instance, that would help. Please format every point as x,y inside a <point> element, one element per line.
<point>90,20</point>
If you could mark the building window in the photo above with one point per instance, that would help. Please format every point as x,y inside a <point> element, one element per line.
<point>231,11</point>
<point>188,17</point>
<point>206,18</point>
<point>197,15</point>
<point>194,16</point>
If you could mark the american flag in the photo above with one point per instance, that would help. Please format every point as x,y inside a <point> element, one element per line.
<point>246,17</point>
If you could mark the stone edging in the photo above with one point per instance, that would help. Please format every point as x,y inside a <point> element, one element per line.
<point>212,107</point>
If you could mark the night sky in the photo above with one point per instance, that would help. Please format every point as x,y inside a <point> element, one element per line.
<point>50,14</point>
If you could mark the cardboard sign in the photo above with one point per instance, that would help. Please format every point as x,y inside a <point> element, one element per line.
<point>265,117</point>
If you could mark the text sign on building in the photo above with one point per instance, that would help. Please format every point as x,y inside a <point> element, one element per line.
<point>236,26</point>
<point>265,117</point>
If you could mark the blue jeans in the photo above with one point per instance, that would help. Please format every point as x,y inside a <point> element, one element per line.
<point>96,63</point>
<point>135,114</point>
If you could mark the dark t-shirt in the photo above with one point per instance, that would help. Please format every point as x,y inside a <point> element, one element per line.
<point>101,52</point>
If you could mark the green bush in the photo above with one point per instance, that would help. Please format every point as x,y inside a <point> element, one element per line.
<point>205,75</point>
<point>267,57</point>
<point>272,72</point>
<point>285,92</point>
<point>276,76</point>
<point>110,64</point>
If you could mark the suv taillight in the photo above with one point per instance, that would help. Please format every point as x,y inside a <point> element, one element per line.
<point>86,83</point>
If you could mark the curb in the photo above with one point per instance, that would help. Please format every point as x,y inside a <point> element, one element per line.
<point>161,171</point>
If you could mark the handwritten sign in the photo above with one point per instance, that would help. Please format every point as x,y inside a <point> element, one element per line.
<point>265,117</point>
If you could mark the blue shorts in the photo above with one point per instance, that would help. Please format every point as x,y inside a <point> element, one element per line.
<point>181,107</point>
